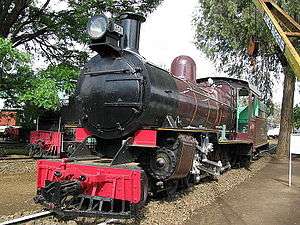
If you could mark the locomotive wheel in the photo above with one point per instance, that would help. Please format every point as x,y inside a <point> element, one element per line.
<point>187,181</point>
<point>31,153</point>
<point>162,165</point>
<point>33,150</point>
<point>171,188</point>
<point>248,159</point>
<point>71,148</point>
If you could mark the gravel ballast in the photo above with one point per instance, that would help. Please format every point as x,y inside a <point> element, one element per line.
<point>181,207</point>
<point>17,166</point>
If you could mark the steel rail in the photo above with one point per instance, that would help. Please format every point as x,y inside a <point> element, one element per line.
<point>15,158</point>
<point>111,221</point>
<point>46,214</point>
<point>27,218</point>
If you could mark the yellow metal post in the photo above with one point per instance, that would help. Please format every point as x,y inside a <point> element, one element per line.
<point>283,27</point>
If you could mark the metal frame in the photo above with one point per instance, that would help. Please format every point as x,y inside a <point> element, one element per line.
<point>283,27</point>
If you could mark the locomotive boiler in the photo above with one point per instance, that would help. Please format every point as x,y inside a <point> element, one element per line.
<point>123,93</point>
<point>153,131</point>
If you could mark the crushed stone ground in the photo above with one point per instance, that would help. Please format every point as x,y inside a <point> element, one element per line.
<point>162,212</point>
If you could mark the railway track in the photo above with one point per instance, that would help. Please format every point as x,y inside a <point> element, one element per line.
<point>9,148</point>
<point>270,150</point>
<point>45,214</point>
<point>14,159</point>
<point>4,143</point>
<point>27,218</point>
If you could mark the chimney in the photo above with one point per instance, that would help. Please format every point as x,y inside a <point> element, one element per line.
<point>131,23</point>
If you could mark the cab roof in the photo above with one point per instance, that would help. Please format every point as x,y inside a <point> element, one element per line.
<point>233,81</point>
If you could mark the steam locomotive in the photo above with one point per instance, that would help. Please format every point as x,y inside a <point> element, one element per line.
<point>150,131</point>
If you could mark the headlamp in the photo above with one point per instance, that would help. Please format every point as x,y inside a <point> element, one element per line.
<point>97,26</point>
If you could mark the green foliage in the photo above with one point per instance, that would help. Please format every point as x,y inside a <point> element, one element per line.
<point>45,88</point>
<point>14,70</point>
<point>12,61</point>
<point>223,30</point>
<point>65,77</point>
<point>55,31</point>
<point>296,117</point>
<point>19,84</point>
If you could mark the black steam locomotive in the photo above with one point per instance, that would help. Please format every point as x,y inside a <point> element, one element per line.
<point>152,130</point>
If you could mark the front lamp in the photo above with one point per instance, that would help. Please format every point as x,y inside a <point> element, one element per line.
<point>97,26</point>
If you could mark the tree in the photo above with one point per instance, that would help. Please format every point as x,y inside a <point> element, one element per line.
<point>14,69</point>
<point>286,122</point>
<point>19,84</point>
<point>56,34</point>
<point>56,31</point>
<point>223,30</point>
<point>296,117</point>
<point>21,87</point>
<point>44,88</point>
<point>274,115</point>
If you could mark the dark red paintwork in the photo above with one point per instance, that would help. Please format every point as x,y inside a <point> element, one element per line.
<point>108,182</point>
<point>184,67</point>
<point>256,133</point>
<point>202,105</point>
<point>12,133</point>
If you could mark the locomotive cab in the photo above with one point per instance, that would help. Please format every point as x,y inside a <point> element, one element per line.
<point>243,110</point>
<point>251,116</point>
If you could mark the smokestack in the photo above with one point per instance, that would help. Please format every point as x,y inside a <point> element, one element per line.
<point>131,23</point>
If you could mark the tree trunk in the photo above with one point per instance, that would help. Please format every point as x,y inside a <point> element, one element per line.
<point>286,123</point>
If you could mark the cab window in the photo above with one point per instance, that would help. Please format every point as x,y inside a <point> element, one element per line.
<point>243,110</point>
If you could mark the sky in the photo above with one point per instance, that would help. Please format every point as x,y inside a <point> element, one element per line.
<point>168,32</point>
